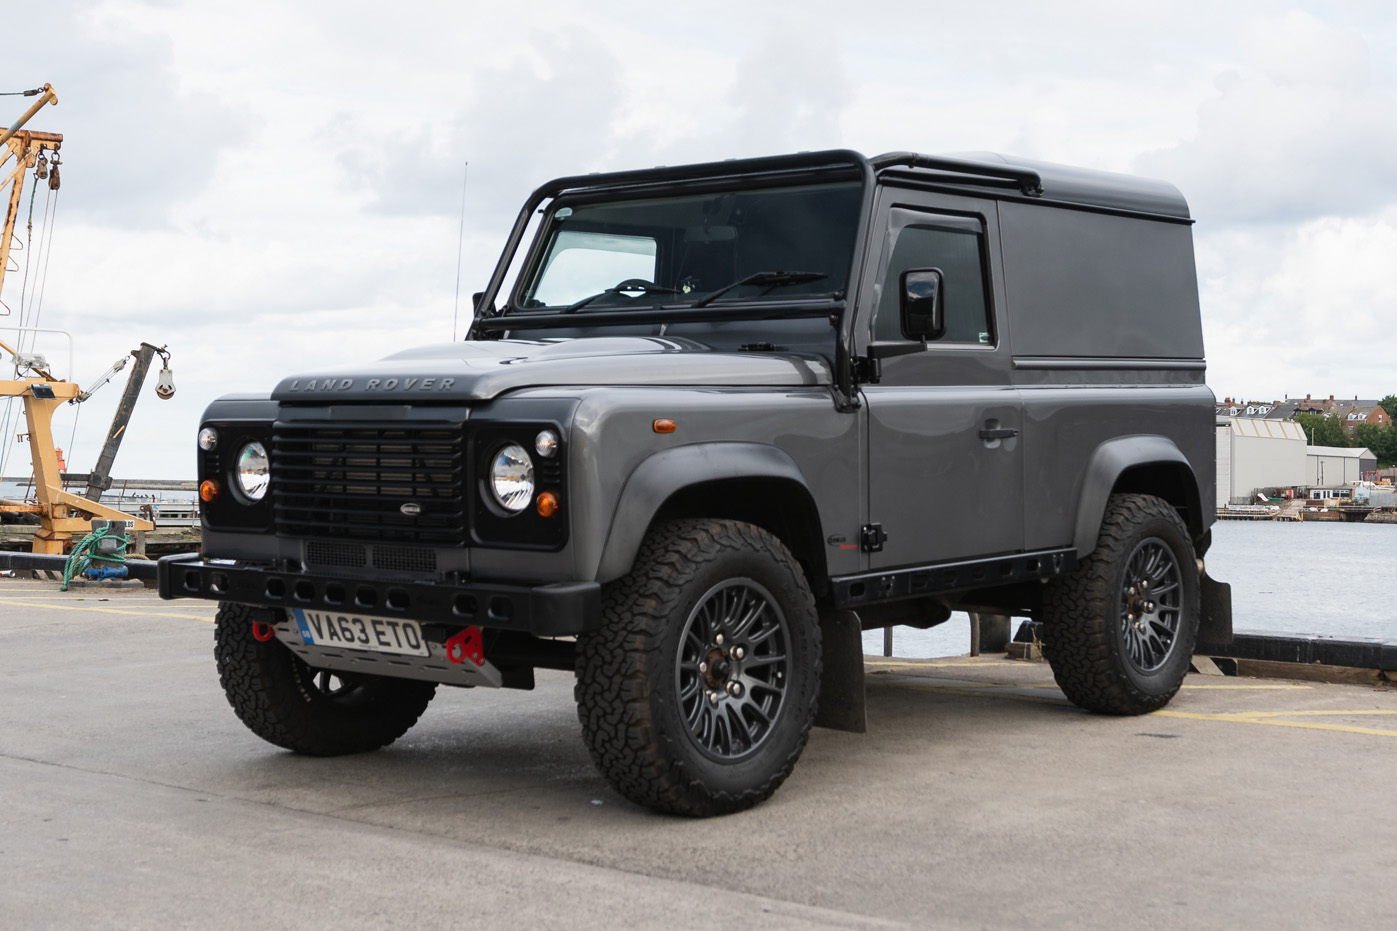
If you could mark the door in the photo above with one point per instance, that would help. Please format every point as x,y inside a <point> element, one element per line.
<point>944,446</point>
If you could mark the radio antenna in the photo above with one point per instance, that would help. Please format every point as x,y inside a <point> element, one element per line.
<point>460,247</point>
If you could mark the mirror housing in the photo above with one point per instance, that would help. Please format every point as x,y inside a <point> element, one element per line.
<point>923,303</point>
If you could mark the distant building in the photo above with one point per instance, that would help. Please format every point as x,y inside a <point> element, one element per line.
<point>1356,412</point>
<point>1338,465</point>
<point>1257,453</point>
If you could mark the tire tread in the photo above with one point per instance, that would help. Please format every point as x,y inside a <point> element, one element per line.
<point>613,700</point>
<point>260,681</point>
<point>1079,610</point>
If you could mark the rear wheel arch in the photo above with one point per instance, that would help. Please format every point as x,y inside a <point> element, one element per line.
<point>1146,464</point>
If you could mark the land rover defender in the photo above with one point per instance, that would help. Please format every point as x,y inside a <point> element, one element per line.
<point>710,423</point>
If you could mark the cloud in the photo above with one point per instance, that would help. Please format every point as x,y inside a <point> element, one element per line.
<point>270,186</point>
<point>1301,310</point>
<point>146,143</point>
<point>1297,130</point>
<point>790,92</point>
<point>549,111</point>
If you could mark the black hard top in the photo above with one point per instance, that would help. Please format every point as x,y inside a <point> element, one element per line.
<point>985,172</point>
<point>1061,183</point>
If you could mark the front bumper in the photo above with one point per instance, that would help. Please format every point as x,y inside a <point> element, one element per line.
<point>551,610</point>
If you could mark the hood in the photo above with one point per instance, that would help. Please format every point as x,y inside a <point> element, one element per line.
<point>480,370</point>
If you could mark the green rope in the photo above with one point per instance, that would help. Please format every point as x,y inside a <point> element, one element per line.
<point>85,553</point>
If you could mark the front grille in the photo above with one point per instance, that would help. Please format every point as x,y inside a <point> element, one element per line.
<point>353,483</point>
<point>342,555</point>
<point>405,559</point>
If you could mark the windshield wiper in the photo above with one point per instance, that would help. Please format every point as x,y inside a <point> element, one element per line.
<point>630,284</point>
<point>770,279</point>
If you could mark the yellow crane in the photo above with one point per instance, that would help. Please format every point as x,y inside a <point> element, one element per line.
<point>61,513</point>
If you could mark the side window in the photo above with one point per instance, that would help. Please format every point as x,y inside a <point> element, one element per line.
<point>956,246</point>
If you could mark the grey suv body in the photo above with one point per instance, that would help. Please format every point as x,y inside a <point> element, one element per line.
<point>710,422</point>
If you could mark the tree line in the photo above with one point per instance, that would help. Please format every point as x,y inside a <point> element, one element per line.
<point>1329,430</point>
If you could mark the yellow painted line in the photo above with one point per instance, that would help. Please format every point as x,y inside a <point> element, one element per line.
<point>58,607</point>
<point>1264,718</point>
<point>998,686</point>
<point>1244,718</point>
<point>1250,688</point>
<point>1315,714</point>
<point>931,664</point>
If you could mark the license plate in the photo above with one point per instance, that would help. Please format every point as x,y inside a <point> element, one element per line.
<point>359,632</point>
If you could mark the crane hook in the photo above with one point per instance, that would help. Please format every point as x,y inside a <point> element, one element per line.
<point>165,381</point>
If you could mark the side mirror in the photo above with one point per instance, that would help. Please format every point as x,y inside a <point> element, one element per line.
<point>475,300</point>
<point>923,304</point>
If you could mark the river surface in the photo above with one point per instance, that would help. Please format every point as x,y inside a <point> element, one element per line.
<point>1328,579</point>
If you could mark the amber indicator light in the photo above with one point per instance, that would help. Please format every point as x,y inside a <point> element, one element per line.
<point>547,504</point>
<point>665,426</point>
<point>208,490</point>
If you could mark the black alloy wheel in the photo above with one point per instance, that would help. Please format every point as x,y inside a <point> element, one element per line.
<point>731,671</point>
<point>1150,605</point>
<point>1119,629</point>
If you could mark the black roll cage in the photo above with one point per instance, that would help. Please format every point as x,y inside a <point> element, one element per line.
<point>750,171</point>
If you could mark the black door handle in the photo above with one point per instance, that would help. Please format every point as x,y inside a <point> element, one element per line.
<point>997,433</point>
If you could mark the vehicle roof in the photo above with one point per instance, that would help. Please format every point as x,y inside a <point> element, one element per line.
<point>984,172</point>
<point>1060,183</point>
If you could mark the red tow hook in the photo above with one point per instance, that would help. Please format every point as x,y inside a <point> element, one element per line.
<point>262,632</point>
<point>466,645</point>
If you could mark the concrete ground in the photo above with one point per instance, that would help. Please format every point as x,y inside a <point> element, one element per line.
<point>131,797</point>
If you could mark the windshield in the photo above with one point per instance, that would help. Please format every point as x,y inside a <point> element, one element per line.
<point>769,243</point>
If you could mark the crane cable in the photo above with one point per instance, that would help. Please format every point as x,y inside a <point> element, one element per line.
<point>30,312</point>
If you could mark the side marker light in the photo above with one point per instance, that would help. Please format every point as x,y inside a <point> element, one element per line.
<point>547,504</point>
<point>665,426</point>
<point>208,490</point>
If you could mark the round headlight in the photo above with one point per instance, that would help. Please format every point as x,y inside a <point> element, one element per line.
<point>252,471</point>
<point>546,443</point>
<point>512,478</point>
<point>208,439</point>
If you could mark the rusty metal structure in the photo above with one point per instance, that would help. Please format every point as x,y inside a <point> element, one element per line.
<point>61,514</point>
<point>29,149</point>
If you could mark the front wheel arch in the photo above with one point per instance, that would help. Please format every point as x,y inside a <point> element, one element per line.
<point>751,482</point>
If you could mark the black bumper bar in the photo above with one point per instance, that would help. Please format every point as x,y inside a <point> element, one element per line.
<point>135,568</point>
<point>551,610</point>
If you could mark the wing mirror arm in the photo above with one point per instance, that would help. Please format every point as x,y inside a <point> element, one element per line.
<point>922,308</point>
<point>886,349</point>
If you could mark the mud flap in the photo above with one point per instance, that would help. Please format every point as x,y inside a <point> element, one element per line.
<point>841,705</point>
<point>1215,625</point>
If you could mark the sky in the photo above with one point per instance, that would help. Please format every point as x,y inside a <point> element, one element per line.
<point>275,187</point>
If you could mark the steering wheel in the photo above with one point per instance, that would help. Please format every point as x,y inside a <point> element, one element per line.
<point>640,284</point>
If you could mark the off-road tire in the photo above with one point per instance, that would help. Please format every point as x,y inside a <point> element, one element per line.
<point>636,675</point>
<point>287,703</point>
<point>1090,635</point>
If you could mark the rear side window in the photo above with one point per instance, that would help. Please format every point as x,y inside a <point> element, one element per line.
<point>956,246</point>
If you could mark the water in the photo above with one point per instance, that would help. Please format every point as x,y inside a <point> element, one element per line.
<point>1329,579</point>
<point>19,490</point>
